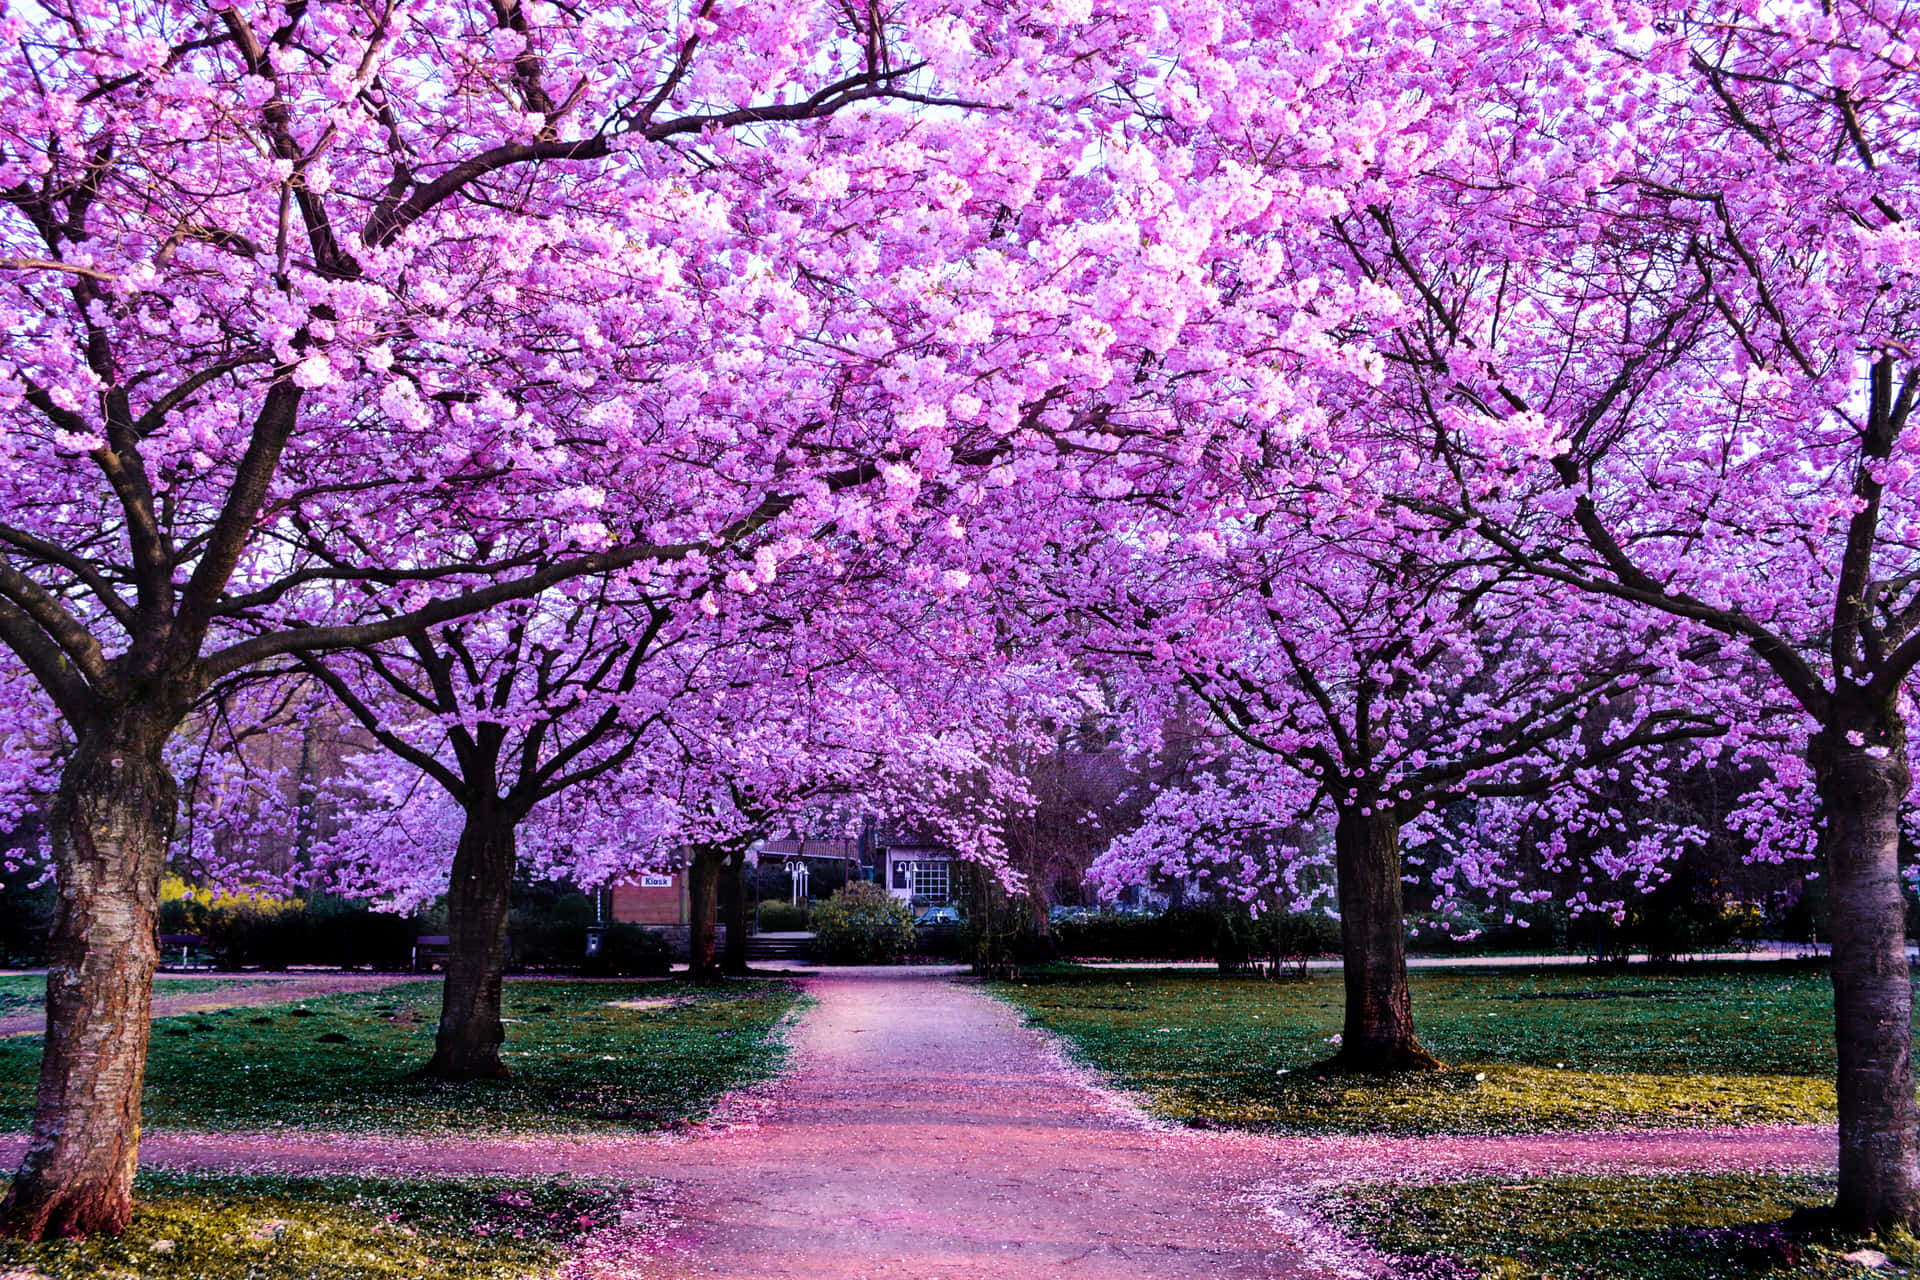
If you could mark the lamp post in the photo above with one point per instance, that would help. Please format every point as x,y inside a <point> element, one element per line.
<point>751,865</point>
<point>598,928</point>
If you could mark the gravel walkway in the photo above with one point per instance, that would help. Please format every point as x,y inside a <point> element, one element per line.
<point>926,1133</point>
<point>247,990</point>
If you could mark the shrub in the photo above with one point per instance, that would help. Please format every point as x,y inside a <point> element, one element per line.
<point>550,932</point>
<point>1294,937</point>
<point>26,917</point>
<point>630,951</point>
<point>271,935</point>
<point>275,933</point>
<point>862,924</point>
<point>784,917</point>
<point>351,934</point>
<point>1186,933</point>
<point>1233,941</point>
<point>1231,937</point>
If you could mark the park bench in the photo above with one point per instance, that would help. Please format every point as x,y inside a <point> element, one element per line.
<point>192,949</point>
<point>433,948</point>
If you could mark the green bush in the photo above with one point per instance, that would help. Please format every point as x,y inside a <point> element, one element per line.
<point>1187,933</point>
<point>784,917</point>
<point>26,918</point>
<point>1295,937</point>
<point>274,934</point>
<point>630,951</point>
<point>1232,937</point>
<point>862,924</point>
<point>551,932</point>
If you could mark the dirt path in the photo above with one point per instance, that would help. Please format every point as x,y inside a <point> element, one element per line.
<point>247,990</point>
<point>925,1133</point>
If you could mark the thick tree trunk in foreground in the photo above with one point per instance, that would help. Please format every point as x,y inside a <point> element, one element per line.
<point>1378,1036</point>
<point>735,961</point>
<point>113,818</point>
<point>467,1046</point>
<point>1861,787</point>
<point>703,892</point>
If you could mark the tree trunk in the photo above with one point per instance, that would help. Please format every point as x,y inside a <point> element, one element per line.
<point>703,893</point>
<point>736,958</point>
<point>111,822</point>
<point>467,1046</point>
<point>1045,949</point>
<point>1861,788</point>
<point>1378,1036</point>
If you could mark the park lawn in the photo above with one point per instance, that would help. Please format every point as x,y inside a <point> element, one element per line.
<point>1532,1049</point>
<point>247,1227</point>
<point>344,1063</point>
<point>1668,1227</point>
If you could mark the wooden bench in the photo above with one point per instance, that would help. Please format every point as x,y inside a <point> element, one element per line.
<point>434,948</point>
<point>191,946</point>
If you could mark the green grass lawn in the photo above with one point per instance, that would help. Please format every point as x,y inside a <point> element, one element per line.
<point>1697,1227</point>
<point>27,992</point>
<point>345,1062</point>
<point>249,1227</point>
<point>1534,1049</point>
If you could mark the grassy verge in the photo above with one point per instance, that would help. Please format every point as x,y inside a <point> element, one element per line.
<point>1534,1049</point>
<point>1702,1227</point>
<point>247,1227</point>
<point>27,992</point>
<point>345,1062</point>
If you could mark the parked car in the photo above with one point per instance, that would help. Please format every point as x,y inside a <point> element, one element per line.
<point>939,916</point>
<point>1061,911</point>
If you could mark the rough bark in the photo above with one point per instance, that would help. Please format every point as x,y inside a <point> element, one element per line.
<point>735,960</point>
<point>1378,1035</point>
<point>1045,949</point>
<point>111,822</point>
<point>703,893</point>
<point>1861,785</point>
<point>467,1046</point>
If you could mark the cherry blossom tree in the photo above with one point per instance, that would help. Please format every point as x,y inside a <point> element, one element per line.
<point>912,721</point>
<point>1358,671</point>
<point>318,295</point>
<point>1662,296</point>
<point>502,714</point>
<point>324,301</point>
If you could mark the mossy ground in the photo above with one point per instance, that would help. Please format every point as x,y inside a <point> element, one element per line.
<point>1699,1227</point>
<point>1529,1049</point>
<point>248,1227</point>
<point>346,1062</point>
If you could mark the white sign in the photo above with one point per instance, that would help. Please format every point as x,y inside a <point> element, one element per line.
<point>656,882</point>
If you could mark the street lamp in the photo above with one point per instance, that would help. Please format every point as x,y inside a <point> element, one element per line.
<point>751,865</point>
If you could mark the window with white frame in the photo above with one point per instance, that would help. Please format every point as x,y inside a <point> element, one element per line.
<point>930,883</point>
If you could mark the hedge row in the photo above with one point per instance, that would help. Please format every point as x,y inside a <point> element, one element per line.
<point>339,932</point>
<point>1197,933</point>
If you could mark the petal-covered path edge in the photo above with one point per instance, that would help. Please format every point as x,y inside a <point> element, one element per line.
<point>924,1131</point>
<point>246,990</point>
